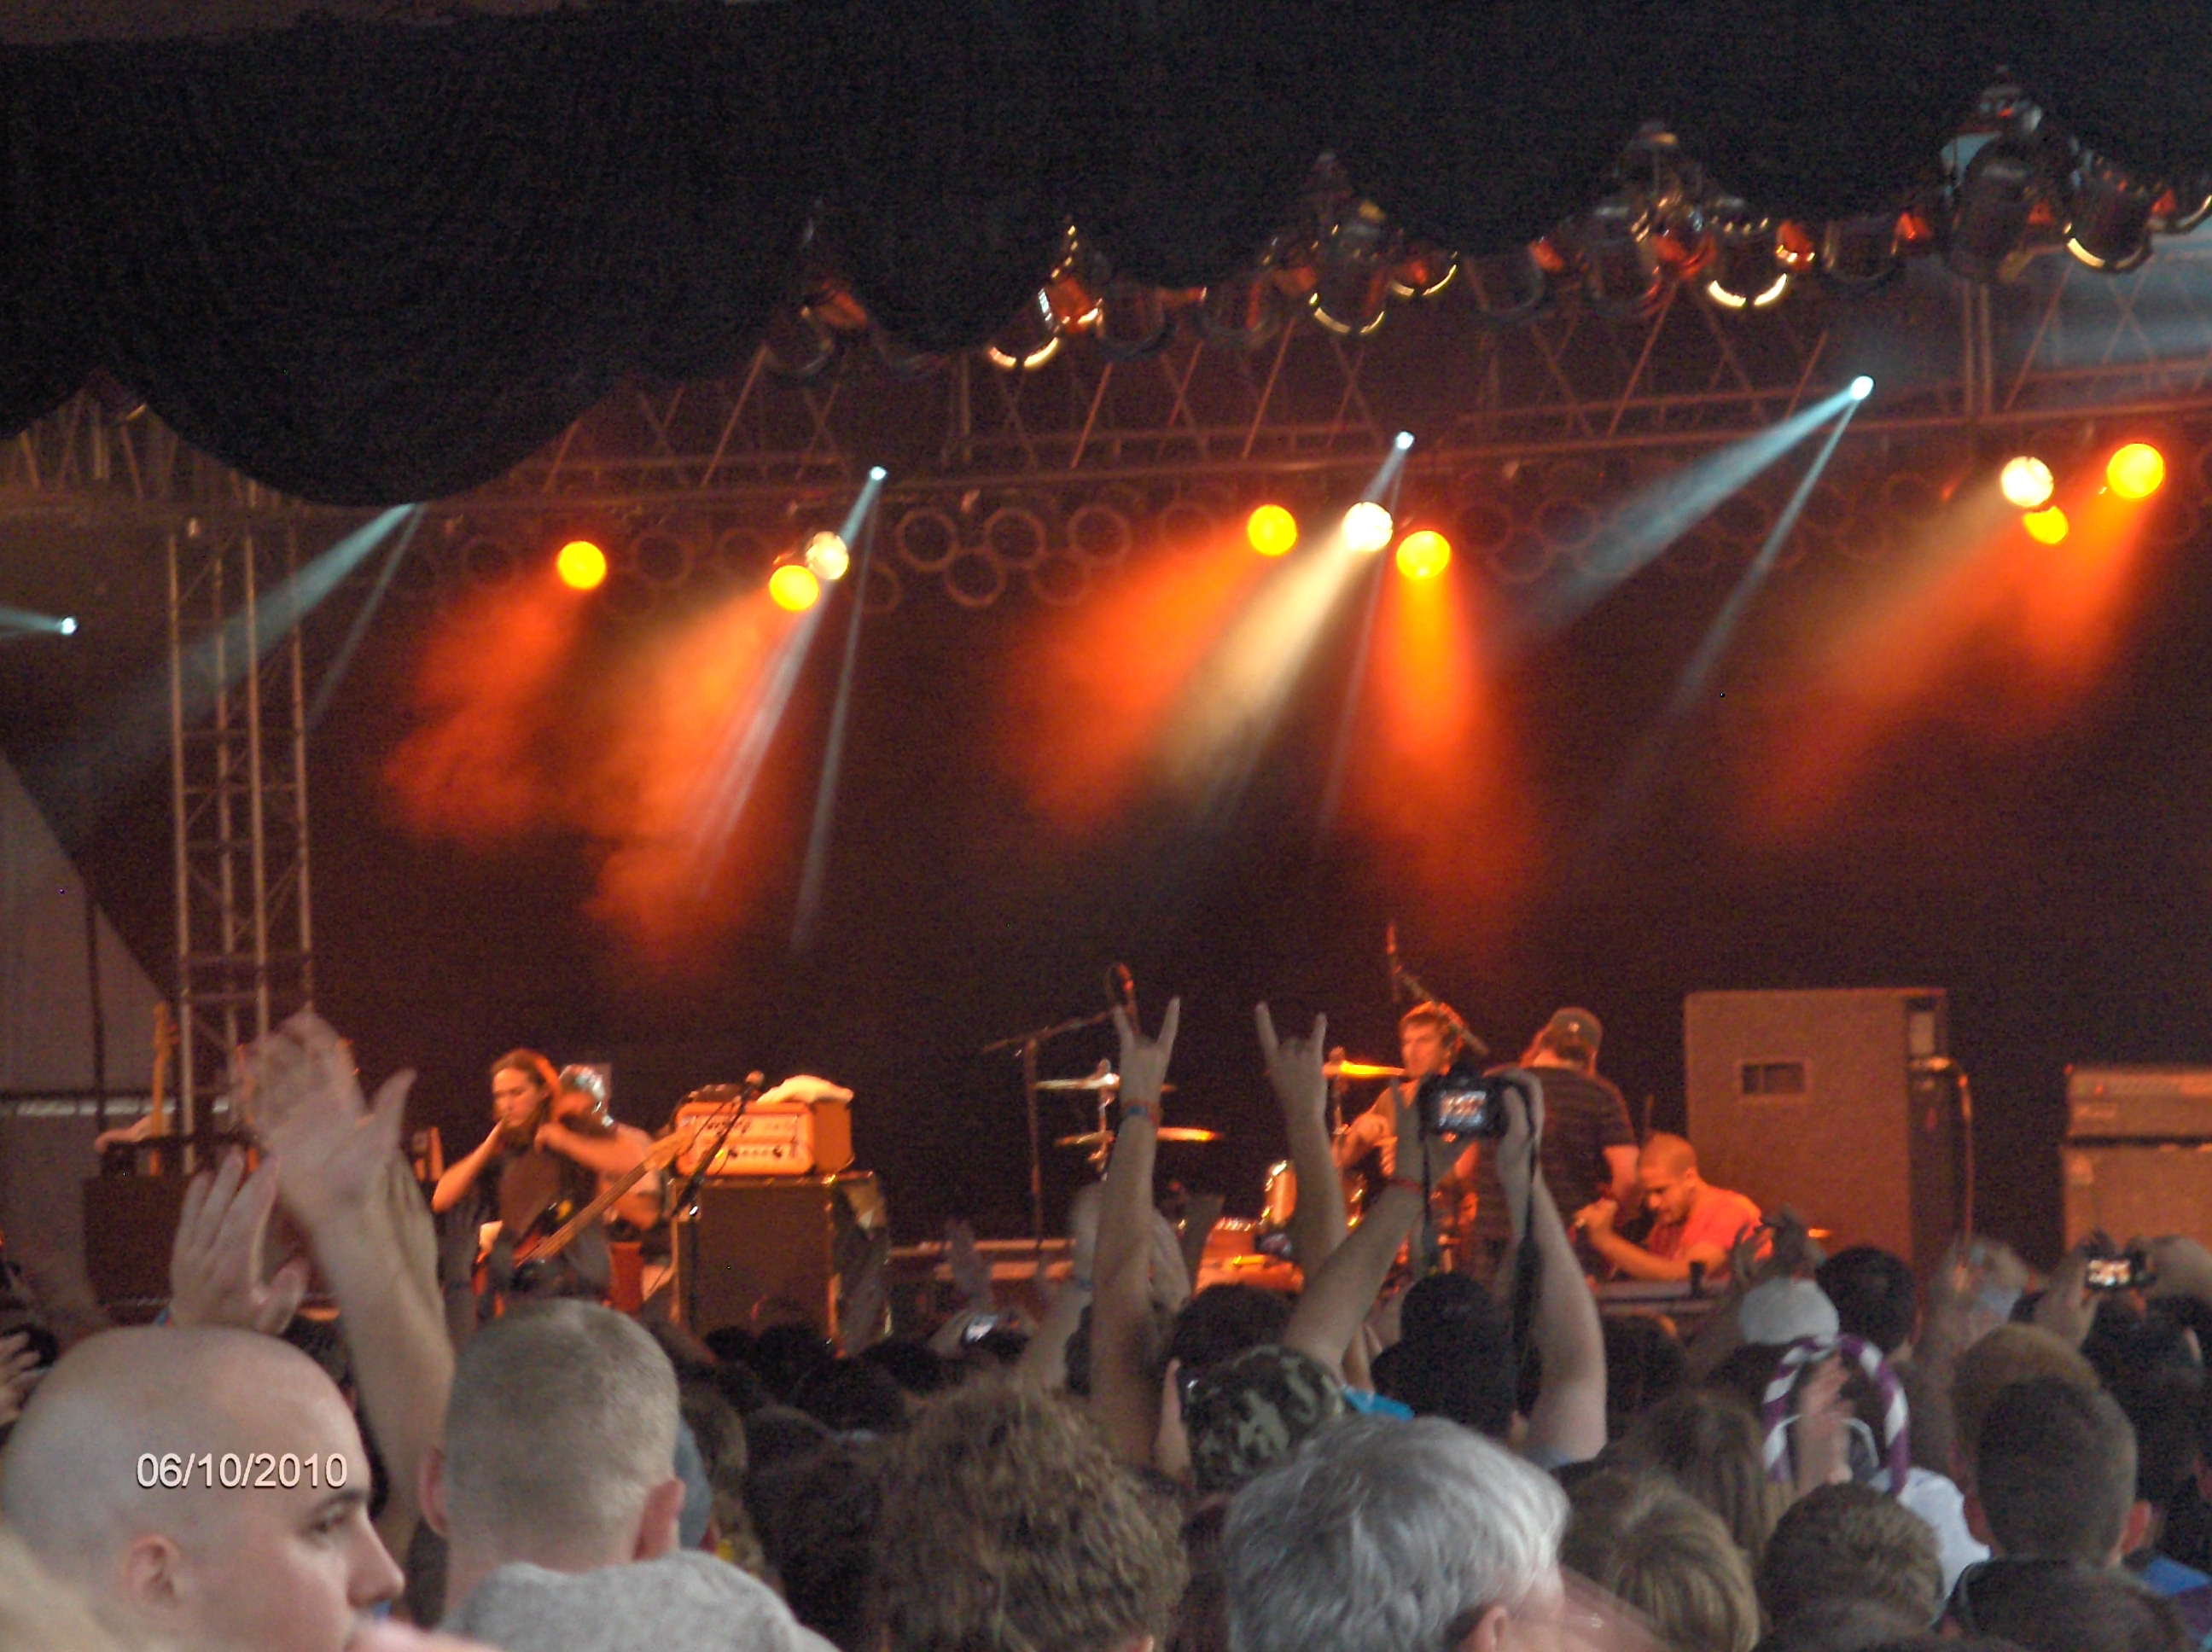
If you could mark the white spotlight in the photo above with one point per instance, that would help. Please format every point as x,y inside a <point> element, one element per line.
<point>876,473</point>
<point>1368,527</point>
<point>67,626</point>
<point>828,556</point>
<point>1403,442</point>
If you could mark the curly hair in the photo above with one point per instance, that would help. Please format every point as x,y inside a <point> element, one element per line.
<point>1008,1525</point>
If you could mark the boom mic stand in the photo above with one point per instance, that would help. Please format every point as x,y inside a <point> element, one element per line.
<point>1028,1044</point>
<point>685,1208</point>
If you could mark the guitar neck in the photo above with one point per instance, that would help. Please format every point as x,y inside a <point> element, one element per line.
<point>561,1237</point>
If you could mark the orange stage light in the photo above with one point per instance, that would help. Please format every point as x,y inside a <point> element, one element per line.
<point>1424,555</point>
<point>2046,527</point>
<point>794,588</point>
<point>1271,529</point>
<point>2136,471</point>
<point>583,565</point>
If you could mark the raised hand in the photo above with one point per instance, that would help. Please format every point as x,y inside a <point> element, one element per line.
<point>216,1265</point>
<point>333,1148</point>
<point>1295,1066</point>
<point>2180,1266</point>
<point>19,1373</point>
<point>971,1274</point>
<point>1145,1060</point>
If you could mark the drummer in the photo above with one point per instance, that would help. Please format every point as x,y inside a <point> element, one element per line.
<point>1428,1039</point>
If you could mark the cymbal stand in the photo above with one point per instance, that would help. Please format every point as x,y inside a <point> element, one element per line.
<point>1027,1045</point>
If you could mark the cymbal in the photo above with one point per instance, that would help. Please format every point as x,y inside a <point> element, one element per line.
<point>1360,1070</point>
<point>1092,1081</point>
<point>1166,1133</point>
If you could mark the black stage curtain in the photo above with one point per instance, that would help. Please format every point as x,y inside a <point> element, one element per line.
<point>367,264</point>
<point>374,264</point>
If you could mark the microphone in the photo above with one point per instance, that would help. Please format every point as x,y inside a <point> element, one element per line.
<point>1125,988</point>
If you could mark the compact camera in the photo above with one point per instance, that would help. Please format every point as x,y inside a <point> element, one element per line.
<point>2126,1271</point>
<point>1462,1104</point>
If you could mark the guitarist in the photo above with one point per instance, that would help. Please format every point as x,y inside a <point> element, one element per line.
<point>525,1177</point>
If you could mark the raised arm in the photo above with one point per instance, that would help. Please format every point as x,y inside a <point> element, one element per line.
<point>1341,1293</point>
<point>1123,1395</point>
<point>1568,1417</point>
<point>339,1171</point>
<point>461,1174</point>
<point>1294,1069</point>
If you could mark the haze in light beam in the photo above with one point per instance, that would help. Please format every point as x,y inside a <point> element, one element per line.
<point>696,718</point>
<point>475,767</point>
<point>1644,525</point>
<point>1090,692</point>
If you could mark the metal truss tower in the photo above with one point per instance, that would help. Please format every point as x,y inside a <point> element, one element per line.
<point>238,783</point>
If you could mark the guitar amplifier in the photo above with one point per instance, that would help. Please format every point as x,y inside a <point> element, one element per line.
<point>2139,1103</point>
<point>773,1138</point>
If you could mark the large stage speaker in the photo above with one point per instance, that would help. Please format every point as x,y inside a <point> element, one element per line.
<point>2136,1190</point>
<point>783,1247</point>
<point>1839,1104</point>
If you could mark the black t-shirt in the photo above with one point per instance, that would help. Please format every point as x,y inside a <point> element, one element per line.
<point>1583,1116</point>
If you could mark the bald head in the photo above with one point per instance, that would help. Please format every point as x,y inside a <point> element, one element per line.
<point>254,1564</point>
<point>1667,1155</point>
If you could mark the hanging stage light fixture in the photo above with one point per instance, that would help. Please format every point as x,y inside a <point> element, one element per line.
<point>2112,217</point>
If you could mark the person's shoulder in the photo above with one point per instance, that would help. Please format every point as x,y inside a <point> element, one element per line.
<point>1736,1210</point>
<point>683,1602</point>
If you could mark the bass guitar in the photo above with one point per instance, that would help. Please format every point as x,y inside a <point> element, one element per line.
<point>537,1257</point>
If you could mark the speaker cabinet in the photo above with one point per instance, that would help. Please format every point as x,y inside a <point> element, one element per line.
<point>1839,1104</point>
<point>2131,1190</point>
<point>130,1227</point>
<point>779,1248</point>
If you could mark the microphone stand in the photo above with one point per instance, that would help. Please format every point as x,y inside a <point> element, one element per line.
<point>685,1208</point>
<point>1028,1044</point>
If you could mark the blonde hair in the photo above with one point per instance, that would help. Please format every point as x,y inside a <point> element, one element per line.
<point>1709,1442</point>
<point>1642,1538</point>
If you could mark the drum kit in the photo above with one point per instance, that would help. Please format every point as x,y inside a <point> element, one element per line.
<point>1268,1237</point>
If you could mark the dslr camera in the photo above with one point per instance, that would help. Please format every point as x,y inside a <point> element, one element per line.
<point>1463,1102</point>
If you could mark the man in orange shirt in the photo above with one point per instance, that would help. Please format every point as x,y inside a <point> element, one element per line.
<point>1694,1221</point>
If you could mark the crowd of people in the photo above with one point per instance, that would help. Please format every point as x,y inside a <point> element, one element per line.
<point>1833,1456</point>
